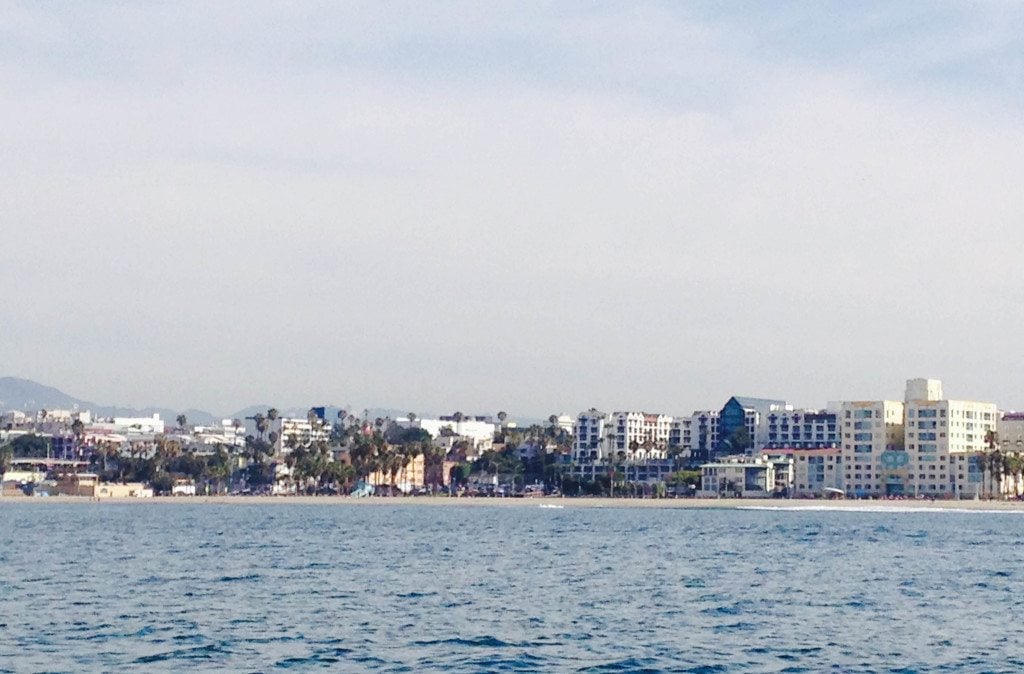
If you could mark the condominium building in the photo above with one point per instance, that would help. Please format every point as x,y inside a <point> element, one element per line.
<point>704,433</point>
<point>800,429</point>
<point>873,458</point>
<point>633,436</point>
<point>816,471</point>
<point>589,436</point>
<point>292,433</point>
<point>639,435</point>
<point>943,440</point>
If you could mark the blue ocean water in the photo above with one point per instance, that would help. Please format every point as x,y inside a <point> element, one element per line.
<point>159,587</point>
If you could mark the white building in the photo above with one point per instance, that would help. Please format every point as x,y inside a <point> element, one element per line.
<point>634,436</point>
<point>477,430</point>
<point>292,433</point>
<point>639,435</point>
<point>744,477</point>
<point>704,432</point>
<point>943,441</point>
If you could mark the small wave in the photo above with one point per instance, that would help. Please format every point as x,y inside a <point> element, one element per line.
<point>484,642</point>
<point>207,652</point>
<point>237,579</point>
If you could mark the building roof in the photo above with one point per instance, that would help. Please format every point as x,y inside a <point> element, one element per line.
<point>756,403</point>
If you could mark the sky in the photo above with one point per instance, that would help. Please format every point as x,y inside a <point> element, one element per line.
<point>535,207</point>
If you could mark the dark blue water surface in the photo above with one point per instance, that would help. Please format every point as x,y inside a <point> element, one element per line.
<point>406,588</point>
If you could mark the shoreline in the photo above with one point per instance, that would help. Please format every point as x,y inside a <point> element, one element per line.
<point>552,502</point>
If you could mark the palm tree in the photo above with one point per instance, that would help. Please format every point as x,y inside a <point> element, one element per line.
<point>502,415</point>
<point>273,414</point>
<point>182,420</point>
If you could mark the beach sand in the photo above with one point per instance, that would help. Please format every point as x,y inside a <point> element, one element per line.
<point>585,502</point>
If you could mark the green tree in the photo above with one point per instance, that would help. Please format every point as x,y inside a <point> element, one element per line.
<point>182,420</point>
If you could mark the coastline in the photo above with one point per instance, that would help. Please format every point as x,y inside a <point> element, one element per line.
<point>566,503</point>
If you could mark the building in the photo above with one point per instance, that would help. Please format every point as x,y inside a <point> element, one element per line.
<point>589,437</point>
<point>479,431</point>
<point>816,472</point>
<point>874,462</point>
<point>638,436</point>
<point>704,433</point>
<point>741,424</point>
<point>799,429</point>
<point>680,436</point>
<point>944,439</point>
<point>294,432</point>
<point>742,478</point>
<point>1010,432</point>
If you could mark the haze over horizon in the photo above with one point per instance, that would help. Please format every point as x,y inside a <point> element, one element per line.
<point>534,208</point>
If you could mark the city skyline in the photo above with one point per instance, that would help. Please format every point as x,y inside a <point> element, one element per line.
<point>510,208</point>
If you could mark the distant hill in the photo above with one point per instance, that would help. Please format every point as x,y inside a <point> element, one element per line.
<point>30,396</point>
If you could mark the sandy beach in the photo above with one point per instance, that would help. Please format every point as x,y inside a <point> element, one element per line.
<point>585,502</point>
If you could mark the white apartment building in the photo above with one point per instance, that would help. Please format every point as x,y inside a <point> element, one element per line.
<point>704,432</point>
<point>943,440</point>
<point>589,436</point>
<point>873,458</point>
<point>640,435</point>
<point>292,433</point>
<point>680,434</point>
<point>479,432</point>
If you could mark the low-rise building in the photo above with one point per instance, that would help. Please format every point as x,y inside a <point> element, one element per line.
<point>744,477</point>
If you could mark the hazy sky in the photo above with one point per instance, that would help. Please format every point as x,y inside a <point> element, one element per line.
<point>536,207</point>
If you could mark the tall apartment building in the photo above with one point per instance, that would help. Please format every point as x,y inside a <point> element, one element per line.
<point>925,446</point>
<point>943,440</point>
<point>872,454</point>
<point>680,433</point>
<point>640,435</point>
<point>589,442</point>
<point>704,433</point>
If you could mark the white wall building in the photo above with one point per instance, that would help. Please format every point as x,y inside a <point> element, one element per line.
<point>479,432</point>
<point>589,441</point>
<point>294,432</point>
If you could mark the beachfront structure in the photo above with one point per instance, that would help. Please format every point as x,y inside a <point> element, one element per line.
<point>944,439</point>
<point>744,477</point>
<point>874,461</point>
<point>816,472</point>
<point>680,435</point>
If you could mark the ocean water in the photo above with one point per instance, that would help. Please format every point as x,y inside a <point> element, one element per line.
<point>161,587</point>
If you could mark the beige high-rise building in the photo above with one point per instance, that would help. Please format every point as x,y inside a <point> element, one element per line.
<point>873,459</point>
